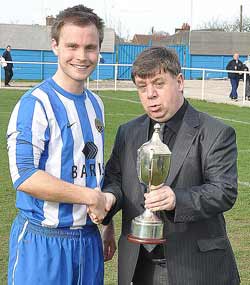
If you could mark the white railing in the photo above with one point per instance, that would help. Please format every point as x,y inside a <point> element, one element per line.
<point>116,65</point>
<point>113,84</point>
<point>204,70</point>
<point>24,62</point>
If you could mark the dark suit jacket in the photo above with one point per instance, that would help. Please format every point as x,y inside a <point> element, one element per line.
<point>203,175</point>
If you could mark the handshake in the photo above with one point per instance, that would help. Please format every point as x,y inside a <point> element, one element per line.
<point>100,205</point>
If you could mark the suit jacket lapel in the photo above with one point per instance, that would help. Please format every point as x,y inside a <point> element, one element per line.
<point>140,135</point>
<point>184,139</point>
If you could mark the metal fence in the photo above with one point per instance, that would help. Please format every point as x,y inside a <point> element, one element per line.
<point>205,88</point>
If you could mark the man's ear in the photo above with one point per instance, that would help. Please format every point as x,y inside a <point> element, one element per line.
<point>54,47</point>
<point>180,81</point>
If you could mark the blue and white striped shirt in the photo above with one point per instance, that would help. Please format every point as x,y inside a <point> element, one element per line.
<point>62,134</point>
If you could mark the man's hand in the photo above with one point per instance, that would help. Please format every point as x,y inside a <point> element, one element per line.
<point>161,199</point>
<point>98,207</point>
<point>108,240</point>
<point>109,202</point>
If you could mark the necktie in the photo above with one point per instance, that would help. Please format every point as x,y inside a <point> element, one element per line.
<point>168,137</point>
<point>162,128</point>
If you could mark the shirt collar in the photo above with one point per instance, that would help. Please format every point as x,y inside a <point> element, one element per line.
<point>175,122</point>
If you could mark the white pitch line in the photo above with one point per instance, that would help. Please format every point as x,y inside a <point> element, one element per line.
<point>244,183</point>
<point>232,120</point>
<point>120,99</point>
<point>122,114</point>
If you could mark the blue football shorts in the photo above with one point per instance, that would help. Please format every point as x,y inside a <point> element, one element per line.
<point>39,255</point>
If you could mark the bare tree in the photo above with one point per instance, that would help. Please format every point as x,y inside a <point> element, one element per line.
<point>245,25</point>
<point>227,26</point>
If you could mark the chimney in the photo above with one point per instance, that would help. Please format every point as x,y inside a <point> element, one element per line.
<point>50,20</point>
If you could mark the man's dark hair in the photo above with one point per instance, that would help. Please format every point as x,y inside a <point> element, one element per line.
<point>78,15</point>
<point>8,46</point>
<point>155,60</point>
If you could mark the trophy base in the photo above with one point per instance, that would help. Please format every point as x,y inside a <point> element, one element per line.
<point>147,229</point>
<point>135,239</point>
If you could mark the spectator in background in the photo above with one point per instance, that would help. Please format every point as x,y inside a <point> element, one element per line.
<point>246,67</point>
<point>8,68</point>
<point>234,64</point>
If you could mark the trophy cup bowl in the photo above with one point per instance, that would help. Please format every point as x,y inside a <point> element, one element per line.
<point>153,162</point>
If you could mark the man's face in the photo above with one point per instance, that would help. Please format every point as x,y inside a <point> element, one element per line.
<point>77,51</point>
<point>8,48</point>
<point>161,95</point>
<point>236,56</point>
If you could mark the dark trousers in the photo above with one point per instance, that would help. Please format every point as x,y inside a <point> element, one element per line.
<point>234,84</point>
<point>8,75</point>
<point>247,93</point>
<point>150,271</point>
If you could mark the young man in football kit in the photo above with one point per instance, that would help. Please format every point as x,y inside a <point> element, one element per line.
<point>55,143</point>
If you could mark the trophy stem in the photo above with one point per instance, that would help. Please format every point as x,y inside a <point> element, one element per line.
<point>149,217</point>
<point>147,214</point>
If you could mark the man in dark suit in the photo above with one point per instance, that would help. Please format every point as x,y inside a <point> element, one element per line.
<point>201,185</point>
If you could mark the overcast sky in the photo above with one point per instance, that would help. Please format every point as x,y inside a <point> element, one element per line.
<point>131,17</point>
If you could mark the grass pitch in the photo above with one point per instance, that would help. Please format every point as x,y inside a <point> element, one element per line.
<point>120,107</point>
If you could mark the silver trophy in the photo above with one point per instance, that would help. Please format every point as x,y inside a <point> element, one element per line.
<point>153,162</point>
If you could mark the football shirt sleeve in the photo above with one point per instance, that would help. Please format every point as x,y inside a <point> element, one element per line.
<point>27,136</point>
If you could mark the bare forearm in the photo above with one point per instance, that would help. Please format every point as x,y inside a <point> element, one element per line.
<point>47,187</point>
<point>108,238</point>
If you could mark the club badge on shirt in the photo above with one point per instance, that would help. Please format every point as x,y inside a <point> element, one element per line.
<point>99,125</point>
